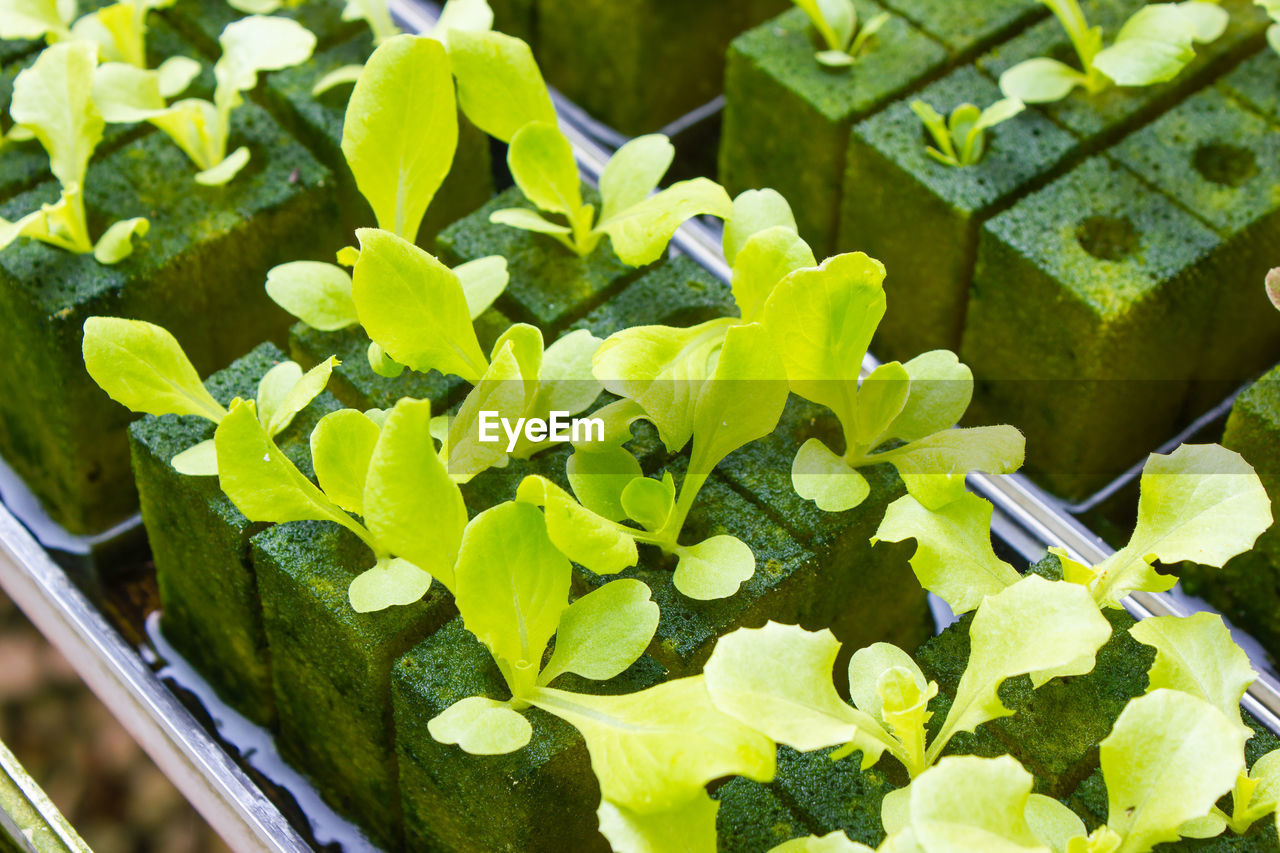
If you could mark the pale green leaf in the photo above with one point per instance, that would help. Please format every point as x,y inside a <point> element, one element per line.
<point>954,558</point>
<point>755,211</point>
<point>1168,759</point>
<point>391,582</point>
<point>584,537</point>
<point>500,88</point>
<point>764,259</point>
<point>598,475</point>
<point>633,172</point>
<point>318,294</point>
<point>933,468</point>
<point>1053,823</point>
<point>255,44</point>
<point>381,363</point>
<point>565,381</point>
<point>462,15</point>
<point>603,632</point>
<point>825,478</point>
<point>1040,81</point>
<point>648,502</point>
<point>966,803</point>
<point>640,233</point>
<point>483,281</point>
<point>527,220</point>
<point>273,387</point>
<point>302,392</point>
<point>543,166</point>
<point>175,74</point>
<point>881,397</point>
<point>342,446</point>
<point>501,391</point>
<point>834,58</point>
<point>714,568</point>
<point>1143,62</point>
<point>414,307</point>
<point>34,19</point>
<point>200,460</point>
<point>941,388</point>
<point>142,367</point>
<point>832,842</point>
<point>225,169</point>
<point>343,75</point>
<point>116,243</point>
<point>54,100</point>
<point>481,726</point>
<point>403,97</point>
<point>689,827</point>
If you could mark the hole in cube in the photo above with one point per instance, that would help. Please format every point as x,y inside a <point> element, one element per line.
<point>1108,238</point>
<point>1227,165</point>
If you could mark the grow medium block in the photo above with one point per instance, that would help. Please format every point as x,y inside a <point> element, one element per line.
<point>331,666</point>
<point>752,819</point>
<point>787,118</point>
<point>837,795</point>
<point>550,286</point>
<point>602,54</point>
<point>1098,119</point>
<point>1086,319</point>
<point>204,22</point>
<point>894,192</point>
<point>1222,162</point>
<point>517,18</point>
<point>318,120</point>
<point>200,541</point>
<point>498,485</point>
<point>872,594</point>
<point>965,29</point>
<point>679,292</point>
<point>541,797</point>
<point>1254,83</point>
<point>199,272</point>
<point>355,383</point>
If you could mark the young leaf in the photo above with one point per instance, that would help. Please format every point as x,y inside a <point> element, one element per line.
<point>584,537</point>
<point>391,582</point>
<point>764,259</point>
<point>934,468</point>
<point>54,100</point>
<point>143,367</point>
<point>967,803</point>
<point>833,842</point>
<point>633,172</point>
<point>35,19</point>
<point>941,389</point>
<point>649,502</point>
<point>823,477</point>
<point>755,211</point>
<point>316,293</point>
<point>599,475</point>
<point>543,166</point>
<point>403,96</point>
<point>714,568</point>
<point>481,726</point>
<point>640,233</point>
<point>483,280</point>
<point>199,460</point>
<point>689,826</point>
<point>500,88</point>
<point>1040,81</point>
<point>342,446</point>
<point>297,395</point>
<point>603,632</point>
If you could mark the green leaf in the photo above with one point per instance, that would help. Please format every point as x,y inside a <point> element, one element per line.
<point>881,397</point>
<point>54,100</point>
<point>967,803</point>
<point>116,243</point>
<point>528,220</point>
<point>933,468</point>
<point>413,307</point>
<point>656,749</point>
<point>764,259</point>
<point>142,367</point>
<point>411,505</point>
<point>941,388</point>
<point>714,568</point>
<point>342,446</point>
<point>462,16</point>
<point>689,826</point>
<point>1168,759</point>
<point>648,502</point>
<point>222,171</point>
<point>305,389</point>
<point>584,537</point>
<point>273,387</point>
<point>391,582</point>
<point>512,586</point>
<point>778,680</point>
<point>598,477</point>
<point>34,19</point>
<point>1201,503</point>
<point>1040,81</point>
<point>1053,823</point>
<point>500,390</point>
<point>1035,627</point>
<point>755,211</point>
<point>500,88</point>
<point>1142,62</point>
<point>633,172</point>
<point>403,96</point>
<point>640,233</point>
<point>255,44</point>
<point>481,726</point>
<point>886,684</point>
<point>603,632</point>
<point>483,281</point>
<point>833,842</point>
<point>823,477</point>
<point>543,165</point>
<point>1195,654</point>
<point>383,364</point>
<point>565,381</point>
<point>200,460</point>
<point>833,19</point>
<point>343,75</point>
<point>954,558</point>
<point>316,293</point>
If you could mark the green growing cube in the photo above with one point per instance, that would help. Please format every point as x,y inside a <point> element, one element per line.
<point>204,22</point>
<point>871,593</point>
<point>787,118</point>
<point>199,272</point>
<point>331,666</point>
<point>602,54</point>
<point>1086,319</point>
<point>1100,119</point>
<point>317,120</point>
<point>550,286</point>
<point>1253,82</point>
<point>517,18</point>
<point>498,485</point>
<point>894,193</point>
<point>541,797</point>
<point>1221,161</point>
<point>837,795</point>
<point>752,818</point>
<point>966,28</point>
<point>678,292</point>
<point>200,541</point>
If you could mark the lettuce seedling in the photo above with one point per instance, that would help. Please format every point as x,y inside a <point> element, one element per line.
<point>960,140</point>
<point>778,679</point>
<point>653,752</point>
<point>837,22</point>
<point>52,101</point>
<point>202,128</point>
<point>143,367</point>
<point>1152,47</point>
<point>1202,503</point>
<point>1273,31</point>
<point>1273,287</point>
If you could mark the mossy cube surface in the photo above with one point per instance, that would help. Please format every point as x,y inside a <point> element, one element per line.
<point>871,593</point>
<point>1086,319</point>
<point>317,120</point>
<point>200,541</point>
<point>204,22</point>
<point>837,795</point>
<point>752,819</point>
<point>549,285</point>
<point>787,118</point>
<point>1221,161</point>
<point>1100,118</point>
<point>603,54</point>
<point>972,26</point>
<point>199,273</point>
<point>540,797</point>
<point>331,666</point>
<point>894,193</point>
<point>494,486</point>
<point>678,292</point>
<point>1254,83</point>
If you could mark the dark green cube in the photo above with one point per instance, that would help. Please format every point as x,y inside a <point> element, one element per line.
<point>317,121</point>
<point>606,55</point>
<point>204,22</point>
<point>498,485</point>
<point>894,192</point>
<point>787,118</point>
<point>837,795</point>
<point>871,593</point>
<point>1088,311</point>
<point>1253,82</point>
<point>1222,162</point>
<point>752,819</point>
<point>678,292</point>
<point>550,286</point>
<point>199,272</point>
<point>331,666</point>
<point>972,26</point>
<point>200,541</point>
